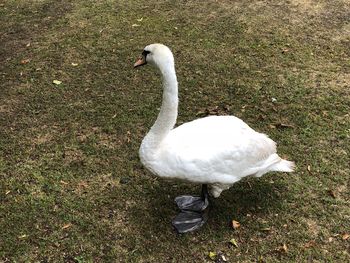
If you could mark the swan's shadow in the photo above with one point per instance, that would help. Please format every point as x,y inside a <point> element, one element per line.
<point>249,197</point>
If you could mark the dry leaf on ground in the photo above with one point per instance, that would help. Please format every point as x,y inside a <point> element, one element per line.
<point>345,236</point>
<point>235,224</point>
<point>67,226</point>
<point>310,244</point>
<point>212,255</point>
<point>284,248</point>
<point>25,61</point>
<point>233,242</point>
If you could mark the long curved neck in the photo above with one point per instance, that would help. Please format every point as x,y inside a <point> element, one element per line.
<point>168,112</point>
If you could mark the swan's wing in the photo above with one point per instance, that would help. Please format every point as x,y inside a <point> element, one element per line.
<point>214,147</point>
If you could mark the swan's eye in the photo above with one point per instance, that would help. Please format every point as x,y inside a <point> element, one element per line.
<point>145,53</point>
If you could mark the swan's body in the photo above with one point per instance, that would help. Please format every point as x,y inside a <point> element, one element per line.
<point>216,150</point>
<point>213,150</point>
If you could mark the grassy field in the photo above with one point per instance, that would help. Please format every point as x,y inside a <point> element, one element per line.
<point>72,188</point>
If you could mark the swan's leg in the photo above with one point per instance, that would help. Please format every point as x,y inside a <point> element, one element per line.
<point>194,212</point>
<point>216,189</point>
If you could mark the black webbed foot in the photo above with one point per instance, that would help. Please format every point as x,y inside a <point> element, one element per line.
<point>191,203</point>
<point>193,213</point>
<point>187,221</point>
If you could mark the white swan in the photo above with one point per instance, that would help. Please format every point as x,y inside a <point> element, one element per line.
<point>216,150</point>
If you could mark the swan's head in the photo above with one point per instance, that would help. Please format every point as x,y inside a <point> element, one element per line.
<point>157,55</point>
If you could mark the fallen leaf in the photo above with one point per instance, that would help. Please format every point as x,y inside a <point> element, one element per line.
<point>74,64</point>
<point>83,184</point>
<point>128,136</point>
<point>262,117</point>
<point>67,226</point>
<point>284,248</point>
<point>224,110</point>
<point>332,193</point>
<point>233,242</point>
<point>25,61</point>
<point>310,244</point>
<point>309,168</point>
<point>201,113</point>
<point>56,82</point>
<point>261,259</point>
<point>345,236</point>
<point>235,224</point>
<point>212,255</point>
<point>220,258</point>
<point>283,125</point>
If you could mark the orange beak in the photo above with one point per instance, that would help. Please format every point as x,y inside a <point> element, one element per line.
<point>140,62</point>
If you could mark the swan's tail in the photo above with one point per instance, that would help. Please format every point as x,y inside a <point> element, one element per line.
<point>283,166</point>
<point>275,164</point>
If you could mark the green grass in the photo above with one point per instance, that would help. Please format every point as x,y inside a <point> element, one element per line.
<point>72,188</point>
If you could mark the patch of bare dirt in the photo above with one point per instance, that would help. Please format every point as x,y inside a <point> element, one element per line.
<point>308,7</point>
<point>8,105</point>
<point>17,35</point>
